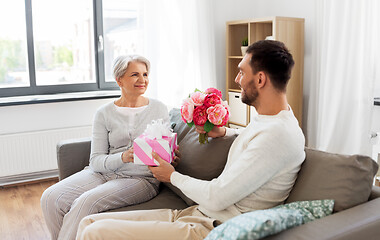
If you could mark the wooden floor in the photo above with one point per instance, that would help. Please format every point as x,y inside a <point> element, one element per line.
<point>20,212</point>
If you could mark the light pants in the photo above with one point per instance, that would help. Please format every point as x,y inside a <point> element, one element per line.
<point>161,224</point>
<point>65,203</point>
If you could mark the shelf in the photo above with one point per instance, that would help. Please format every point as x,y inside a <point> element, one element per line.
<point>236,34</point>
<point>232,72</point>
<point>234,90</point>
<point>287,30</point>
<point>259,31</point>
<point>238,125</point>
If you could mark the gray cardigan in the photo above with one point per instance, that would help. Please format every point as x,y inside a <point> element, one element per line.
<point>111,136</point>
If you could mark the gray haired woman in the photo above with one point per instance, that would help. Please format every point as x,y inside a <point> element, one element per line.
<point>111,180</point>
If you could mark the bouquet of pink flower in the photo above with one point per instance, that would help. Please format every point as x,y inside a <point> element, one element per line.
<point>205,109</point>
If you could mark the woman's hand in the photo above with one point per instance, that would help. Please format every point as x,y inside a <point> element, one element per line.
<point>177,158</point>
<point>127,156</point>
<point>214,133</point>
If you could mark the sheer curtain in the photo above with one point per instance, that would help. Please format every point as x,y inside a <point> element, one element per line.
<point>179,42</point>
<point>345,68</point>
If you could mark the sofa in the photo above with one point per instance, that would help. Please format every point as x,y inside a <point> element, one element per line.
<point>348,180</point>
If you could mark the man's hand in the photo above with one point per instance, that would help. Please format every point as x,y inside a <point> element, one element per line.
<point>214,133</point>
<point>163,171</point>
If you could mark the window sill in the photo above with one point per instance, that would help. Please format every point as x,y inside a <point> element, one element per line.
<point>61,97</point>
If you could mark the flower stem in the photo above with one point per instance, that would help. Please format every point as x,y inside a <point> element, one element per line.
<point>203,138</point>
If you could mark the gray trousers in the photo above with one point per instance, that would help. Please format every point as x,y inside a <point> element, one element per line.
<point>65,203</point>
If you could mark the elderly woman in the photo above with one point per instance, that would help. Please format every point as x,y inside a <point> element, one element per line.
<point>111,180</point>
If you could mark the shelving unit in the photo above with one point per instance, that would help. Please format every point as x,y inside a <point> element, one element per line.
<point>290,31</point>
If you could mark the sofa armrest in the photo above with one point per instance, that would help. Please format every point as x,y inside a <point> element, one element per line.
<point>360,222</point>
<point>375,193</point>
<point>72,156</point>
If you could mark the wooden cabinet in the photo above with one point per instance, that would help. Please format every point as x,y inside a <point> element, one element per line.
<point>290,31</point>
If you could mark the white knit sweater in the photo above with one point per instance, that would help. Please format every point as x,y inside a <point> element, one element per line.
<point>261,169</point>
<point>112,135</point>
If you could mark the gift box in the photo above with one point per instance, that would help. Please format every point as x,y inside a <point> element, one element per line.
<point>158,138</point>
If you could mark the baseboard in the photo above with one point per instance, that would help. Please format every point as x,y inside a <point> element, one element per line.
<point>28,177</point>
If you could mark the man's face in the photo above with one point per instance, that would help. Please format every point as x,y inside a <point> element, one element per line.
<point>246,80</point>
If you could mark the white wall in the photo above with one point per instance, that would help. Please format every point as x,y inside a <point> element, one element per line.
<point>47,116</point>
<point>227,10</point>
<point>29,134</point>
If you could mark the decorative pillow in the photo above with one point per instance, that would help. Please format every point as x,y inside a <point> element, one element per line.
<point>263,223</point>
<point>201,161</point>
<point>311,210</point>
<point>346,179</point>
<point>256,224</point>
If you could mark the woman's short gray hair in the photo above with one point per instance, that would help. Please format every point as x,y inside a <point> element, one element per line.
<point>121,63</point>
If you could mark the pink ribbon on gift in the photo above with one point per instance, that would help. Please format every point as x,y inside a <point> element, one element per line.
<point>156,146</point>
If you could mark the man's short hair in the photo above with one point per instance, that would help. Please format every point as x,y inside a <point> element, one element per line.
<point>274,59</point>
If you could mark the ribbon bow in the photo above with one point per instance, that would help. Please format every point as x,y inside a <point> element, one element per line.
<point>158,129</point>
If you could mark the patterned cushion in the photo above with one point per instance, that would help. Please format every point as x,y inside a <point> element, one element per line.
<point>257,224</point>
<point>262,223</point>
<point>311,210</point>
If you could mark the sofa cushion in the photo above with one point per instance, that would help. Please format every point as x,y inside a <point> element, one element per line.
<point>346,179</point>
<point>262,223</point>
<point>166,198</point>
<point>202,161</point>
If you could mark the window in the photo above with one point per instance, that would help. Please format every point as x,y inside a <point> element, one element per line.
<point>13,51</point>
<point>53,46</point>
<point>122,31</point>
<point>63,42</point>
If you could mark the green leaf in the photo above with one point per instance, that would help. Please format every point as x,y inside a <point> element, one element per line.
<point>197,90</point>
<point>190,124</point>
<point>208,126</point>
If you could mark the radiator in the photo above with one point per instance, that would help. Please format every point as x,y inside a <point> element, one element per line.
<point>32,155</point>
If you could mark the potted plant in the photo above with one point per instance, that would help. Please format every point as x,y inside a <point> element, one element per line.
<point>244,45</point>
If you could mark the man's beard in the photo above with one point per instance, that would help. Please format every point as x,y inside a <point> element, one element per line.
<point>251,97</point>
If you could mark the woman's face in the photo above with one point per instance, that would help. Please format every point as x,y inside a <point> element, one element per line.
<point>135,80</point>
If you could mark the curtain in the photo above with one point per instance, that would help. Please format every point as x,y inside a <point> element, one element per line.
<point>179,42</point>
<point>345,68</point>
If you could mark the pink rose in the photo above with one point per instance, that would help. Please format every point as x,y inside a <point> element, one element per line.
<point>200,115</point>
<point>216,114</point>
<point>187,110</point>
<point>214,90</point>
<point>225,119</point>
<point>211,100</point>
<point>225,104</point>
<point>198,98</point>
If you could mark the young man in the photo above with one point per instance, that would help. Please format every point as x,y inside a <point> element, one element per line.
<point>261,168</point>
